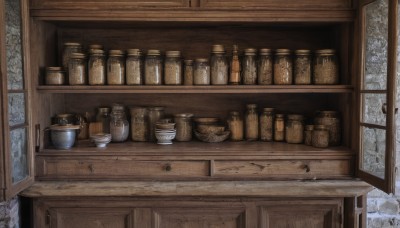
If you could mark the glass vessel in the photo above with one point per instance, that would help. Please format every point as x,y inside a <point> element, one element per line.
<point>249,64</point>
<point>294,129</point>
<point>184,127</point>
<point>116,68</point>
<point>251,122</point>
<point>219,66</point>
<point>134,67</point>
<point>267,125</point>
<point>139,124</point>
<point>235,125</point>
<point>77,69</point>
<point>265,67</point>
<point>119,125</point>
<point>326,70</point>
<point>283,72</point>
<point>302,67</point>
<point>153,68</point>
<point>97,67</point>
<point>201,75</point>
<point>173,68</point>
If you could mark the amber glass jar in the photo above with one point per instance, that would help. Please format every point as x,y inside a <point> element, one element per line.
<point>153,68</point>
<point>55,76</point>
<point>331,120</point>
<point>308,135</point>
<point>154,115</point>
<point>68,49</point>
<point>184,127</point>
<point>188,72</point>
<point>326,70</point>
<point>201,74</point>
<point>320,136</point>
<point>294,129</point>
<point>139,124</point>
<point>134,67</point>
<point>267,124</point>
<point>97,67</point>
<point>279,128</point>
<point>249,63</point>
<point>235,125</point>
<point>119,125</point>
<point>251,122</point>
<point>173,68</point>
<point>234,76</point>
<point>77,69</point>
<point>265,67</point>
<point>283,67</point>
<point>219,66</point>
<point>302,67</point>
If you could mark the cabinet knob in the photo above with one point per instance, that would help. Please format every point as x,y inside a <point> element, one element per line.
<point>91,168</point>
<point>307,168</point>
<point>167,167</point>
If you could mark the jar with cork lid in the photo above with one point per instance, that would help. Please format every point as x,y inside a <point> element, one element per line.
<point>77,69</point>
<point>173,68</point>
<point>153,68</point>
<point>283,72</point>
<point>234,76</point>
<point>302,67</point>
<point>97,67</point>
<point>219,65</point>
<point>116,67</point>
<point>265,67</point>
<point>249,64</point>
<point>134,67</point>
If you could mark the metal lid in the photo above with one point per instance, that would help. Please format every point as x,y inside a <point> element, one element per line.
<point>251,106</point>
<point>282,51</point>
<point>72,44</point>
<point>188,62</point>
<point>95,46</point>
<point>54,69</point>
<point>320,127</point>
<point>134,52</point>
<point>153,52</point>
<point>96,52</point>
<point>295,117</point>
<point>265,51</point>
<point>328,113</point>
<point>302,52</point>
<point>268,109</point>
<point>184,115</point>
<point>234,113</point>
<point>77,56</point>
<point>250,51</point>
<point>156,108</point>
<point>325,52</point>
<point>64,127</point>
<point>116,52</point>
<point>173,53</point>
<point>218,48</point>
<point>309,127</point>
<point>103,109</point>
<point>201,60</point>
<point>279,115</point>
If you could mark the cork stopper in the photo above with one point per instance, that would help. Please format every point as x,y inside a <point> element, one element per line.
<point>72,44</point>
<point>96,52</point>
<point>78,56</point>
<point>96,46</point>
<point>54,69</point>
<point>201,60</point>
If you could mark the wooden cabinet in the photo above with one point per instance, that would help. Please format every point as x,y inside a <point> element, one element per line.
<point>274,4</point>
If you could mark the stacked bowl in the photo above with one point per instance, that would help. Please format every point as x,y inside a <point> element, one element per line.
<point>165,133</point>
<point>101,139</point>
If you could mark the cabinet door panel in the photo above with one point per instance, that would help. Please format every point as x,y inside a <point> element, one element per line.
<point>275,3</point>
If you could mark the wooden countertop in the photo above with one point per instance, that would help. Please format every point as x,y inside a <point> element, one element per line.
<point>326,188</point>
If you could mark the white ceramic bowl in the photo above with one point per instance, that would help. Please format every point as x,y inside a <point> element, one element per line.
<point>165,138</point>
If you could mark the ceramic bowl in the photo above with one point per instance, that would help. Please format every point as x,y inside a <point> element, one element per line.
<point>101,139</point>
<point>165,126</point>
<point>63,136</point>
<point>206,120</point>
<point>165,138</point>
<point>212,137</point>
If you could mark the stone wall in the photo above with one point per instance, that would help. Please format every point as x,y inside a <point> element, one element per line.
<point>9,214</point>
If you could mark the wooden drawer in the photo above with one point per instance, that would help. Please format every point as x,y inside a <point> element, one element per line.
<point>275,4</point>
<point>284,169</point>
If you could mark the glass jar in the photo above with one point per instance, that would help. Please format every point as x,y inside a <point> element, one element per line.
<point>154,115</point>
<point>119,125</point>
<point>279,128</point>
<point>139,124</point>
<point>97,67</point>
<point>320,136</point>
<point>294,129</point>
<point>201,74</point>
<point>234,76</point>
<point>283,67</point>
<point>332,121</point>
<point>153,68</point>
<point>326,70</point>
<point>188,71</point>
<point>265,67</point>
<point>184,127</point>
<point>235,125</point>
<point>77,69</point>
<point>249,64</point>
<point>308,135</point>
<point>68,49</point>
<point>115,68</point>
<point>134,67</point>
<point>219,66</point>
<point>173,68</point>
<point>103,116</point>
<point>302,67</point>
<point>55,76</point>
<point>251,122</point>
<point>267,125</point>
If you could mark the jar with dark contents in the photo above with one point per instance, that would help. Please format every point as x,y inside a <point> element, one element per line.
<point>119,125</point>
<point>294,129</point>
<point>326,70</point>
<point>97,67</point>
<point>302,67</point>
<point>265,67</point>
<point>103,116</point>
<point>219,66</point>
<point>234,76</point>
<point>134,67</point>
<point>251,122</point>
<point>283,67</point>
<point>279,128</point>
<point>267,125</point>
<point>235,125</point>
<point>139,124</point>
<point>320,136</point>
<point>308,135</point>
<point>77,69</point>
<point>188,72</point>
<point>173,68</point>
<point>55,76</point>
<point>154,115</point>
<point>116,68</point>
<point>68,49</point>
<point>331,120</point>
<point>153,68</point>
<point>184,127</point>
<point>249,66</point>
<point>201,74</point>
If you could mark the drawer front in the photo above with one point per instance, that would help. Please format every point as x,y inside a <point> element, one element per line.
<point>284,169</point>
<point>275,4</point>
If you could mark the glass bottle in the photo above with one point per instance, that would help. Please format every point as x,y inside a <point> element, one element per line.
<point>134,67</point>
<point>139,124</point>
<point>283,72</point>
<point>294,132</point>
<point>97,67</point>
<point>279,128</point>
<point>173,68</point>
<point>320,136</point>
<point>55,76</point>
<point>219,66</point>
<point>153,68</point>
<point>116,68</point>
<point>119,125</point>
<point>188,71</point>
<point>184,127</point>
<point>68,49</point>
<point>265,65</point>
<point>201,74</point>
<point>331,120</point>
<point>267,125</point>
<point>77,69</point>
<point>326,70</point>
<point>308,135</point>
<point>234,76</point>
<point>249,64</point>
<point>302,67</point>
<point>154,115</point>
<point>103,116</point>
<point>235,125</point>
<point>251,122</point>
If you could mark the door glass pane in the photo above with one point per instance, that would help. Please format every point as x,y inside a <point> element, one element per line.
<point>374,145</point>
<point>372,105</point>
<point>16,108</point>
<point>376,45</point>
<point>19,154</point>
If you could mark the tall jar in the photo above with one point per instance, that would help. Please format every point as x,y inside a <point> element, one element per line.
<point>68,49</point>
<point>55,76</point>
<point>294,132</point>
<point>265,67</point>
<point>267,125</point>
<point>184,127</point>
<point>234,76</point>
<point>320,136</point>
<point>302,67</point>
<point>116,68</point>
<point>219,66</point>
<point>279,128</point>
<point>249,64</point>
<point>103,116</point>
<point>153,68</point>
<point>201,74</point>
<point>77,69</point>
<point>235,124</point>
<point>331,119</point>
<point>97,67</point>
<point>326,70</point>
<point>134,67</point>
<point>283,67</point>
<point>119,125</point>
<point>139,124</point>
<point>251,122</point>
<point>188,72</point>
<point>308,135</point>
<point>173,68</point>
<point>154,115</point>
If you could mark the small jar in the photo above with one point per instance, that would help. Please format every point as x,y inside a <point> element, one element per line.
<point>93,47</point>
<point>234,76</point>
<point>119,125</point>
<point>326,70</point>
<point>173,68</point>
<point>279,128</point>
<point>184,127</point>
<point>251,122</point>
<point>68,49</point>
<point>294,131</point>
<point>154,115</point>
<point>283,72</point>
<point>201,74</point>
<point>134,67</point>
<point>332,121</point>
<point>77,69</point>
<point>235,125</point>
<point>267,125</point>
<point>249,64</point>
<point>116,68</point>
<point>219,66</point>
<point>265,65</point>
<point>308,135</point>
<point>139,125</point>
<point>188,72</point>
<point>320,136</point>
<point>103,116</point>
<point>153,68</point>
<point>55,76</point>
<point>302,67</point>
<point>97,67</point>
